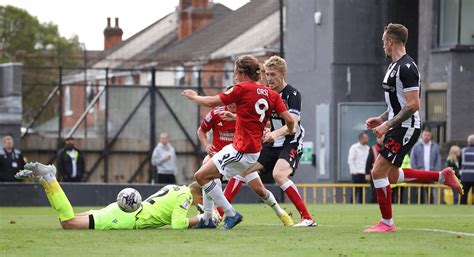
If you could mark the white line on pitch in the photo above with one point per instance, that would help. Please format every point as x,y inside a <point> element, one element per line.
<point>439,230</point>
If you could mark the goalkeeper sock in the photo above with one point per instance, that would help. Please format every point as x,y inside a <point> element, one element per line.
<point>215,192</point>
<point>270,200</point>
<point>57,198</point>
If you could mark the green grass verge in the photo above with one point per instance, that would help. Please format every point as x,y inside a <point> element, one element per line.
<point>36,232</point>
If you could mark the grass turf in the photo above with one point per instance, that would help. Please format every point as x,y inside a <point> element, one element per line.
<point>35,232</point>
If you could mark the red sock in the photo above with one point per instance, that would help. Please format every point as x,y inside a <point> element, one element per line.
<point>384,197</point>
<point>231,190</point>
<point>412,175</point>
<point>292,192</point>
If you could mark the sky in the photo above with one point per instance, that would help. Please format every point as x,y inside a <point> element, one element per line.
<point>88,18</point>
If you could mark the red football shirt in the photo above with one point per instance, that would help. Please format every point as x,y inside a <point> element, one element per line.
<point>222,130</point>
<point>255,104</point>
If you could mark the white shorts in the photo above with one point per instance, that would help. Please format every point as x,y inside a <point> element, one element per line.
<point>231,162</point>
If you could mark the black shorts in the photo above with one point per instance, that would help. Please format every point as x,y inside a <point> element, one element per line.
<point>398,143</point>
<point>270,155</point>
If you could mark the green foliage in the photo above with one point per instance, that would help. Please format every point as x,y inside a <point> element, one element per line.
<point>37,45</point>
<point>36,232</point>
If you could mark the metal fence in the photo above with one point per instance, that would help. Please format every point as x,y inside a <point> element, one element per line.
<point>115,116</point>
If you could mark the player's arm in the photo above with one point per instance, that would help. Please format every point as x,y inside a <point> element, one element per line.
<point>410,79</point>
<point>179,216</point>
<point>290,122</point>
<point>413,104</point>
<point>202,136</point>
<point>209,101</point>
<point>283,131</point>
<point>373,122</point>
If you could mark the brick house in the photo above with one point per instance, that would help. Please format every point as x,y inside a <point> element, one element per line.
<point>199,35</point>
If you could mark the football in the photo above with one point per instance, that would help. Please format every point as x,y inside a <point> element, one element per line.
<point>129,200</point>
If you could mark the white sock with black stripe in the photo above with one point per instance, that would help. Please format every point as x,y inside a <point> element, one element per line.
<point>208,203</point>
<point>213,190</point>
<point>270,200</point>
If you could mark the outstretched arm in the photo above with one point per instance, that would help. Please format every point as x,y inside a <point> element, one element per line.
<point>209,101</point>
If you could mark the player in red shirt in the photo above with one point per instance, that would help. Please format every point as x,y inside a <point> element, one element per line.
<point>223,129</point>
<point>254,106</point>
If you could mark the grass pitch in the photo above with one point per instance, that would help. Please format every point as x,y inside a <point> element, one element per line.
<point>423,231</point>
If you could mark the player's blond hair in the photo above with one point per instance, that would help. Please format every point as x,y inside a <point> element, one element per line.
<point>277,63</point>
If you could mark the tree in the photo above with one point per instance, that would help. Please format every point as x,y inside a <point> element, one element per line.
<point>40,47</point>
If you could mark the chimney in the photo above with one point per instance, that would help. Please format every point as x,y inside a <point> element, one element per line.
<point>112,35</point>
<point>193,16</point>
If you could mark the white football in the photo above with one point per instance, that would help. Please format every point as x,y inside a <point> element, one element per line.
<point>129,200</point>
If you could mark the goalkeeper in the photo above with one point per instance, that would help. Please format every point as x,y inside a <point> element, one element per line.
<point>169,206</point>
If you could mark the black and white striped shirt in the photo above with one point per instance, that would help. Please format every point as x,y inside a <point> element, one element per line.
<point>402,76</point>
<point>292,99</point>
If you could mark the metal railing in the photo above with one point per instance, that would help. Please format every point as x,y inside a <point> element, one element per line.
<point>346,193</point>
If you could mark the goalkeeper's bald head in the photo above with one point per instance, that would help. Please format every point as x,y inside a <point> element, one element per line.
<point>196,191</point>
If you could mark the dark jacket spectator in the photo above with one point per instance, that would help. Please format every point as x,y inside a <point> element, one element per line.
<point>11,160</point>
<point>467,168</point>
<point>70,163</point>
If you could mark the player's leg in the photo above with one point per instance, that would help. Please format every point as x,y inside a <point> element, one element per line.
<point>382,168</point>
<point>55,194</point>
<point>78,222</point>
<point>255,183</point>
<point>446,176</point>
<point>209,171</point>
<point>231,190</point>
<point>281,174</point>
<point>398,142</point>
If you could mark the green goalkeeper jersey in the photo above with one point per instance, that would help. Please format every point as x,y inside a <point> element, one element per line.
<point>169,206</point>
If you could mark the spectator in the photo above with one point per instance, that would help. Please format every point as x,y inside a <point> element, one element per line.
<point>373,154</point>
<point>467,168</point>
<point>70,162</point>
<point>11,160</point>
<point>425,156</point>
<point>357,161</point>
<point>453,162</point>
<point>164,158</point>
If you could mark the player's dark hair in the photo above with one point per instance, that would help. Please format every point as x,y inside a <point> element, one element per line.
<point>397,32</point>
<point>249,65</point>
<point>362,134</point>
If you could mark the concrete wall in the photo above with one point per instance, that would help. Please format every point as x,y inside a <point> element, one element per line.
<point>339,60</point>
<point>309,52</point>
<point>450,69</point>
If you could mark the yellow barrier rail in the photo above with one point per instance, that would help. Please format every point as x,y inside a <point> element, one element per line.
<point>339,193</point>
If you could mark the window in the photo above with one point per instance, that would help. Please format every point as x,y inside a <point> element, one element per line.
<point>90,94</point>
<point>456,22</point>
<point>67,101</point>
<point>179,76</point>
<point>436,105</point>
<point>102,100</point>
<point>229,74</point>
